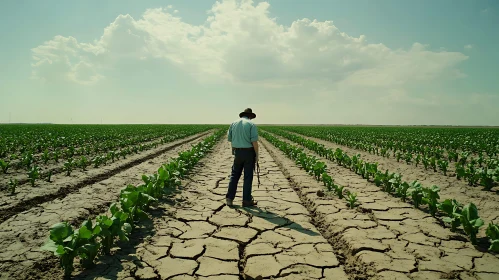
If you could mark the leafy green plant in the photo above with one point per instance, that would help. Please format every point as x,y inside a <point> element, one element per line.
<point>486,177</point>
<point>45,156</point>
<point>384,152</point>
<point>12,186</point>
<point>112,155</point>
<point>83,163</point>
<point>123,153</point>
<point>454,155</point>
<point>481,159</point>
<point>463,157</point>
<point>433,163</point>
<point>338,156</point>
<point>471,221</point>
<point>68,167</point>
<point>460,171</point>
<point>453,210</point>
<point>471,174</point>
<point>112,228</point>
<point>67,244</point>
<point>328,182</point>
<point>443,165</point>
<point>88,251</point>
<point>33,174</point>
<point>27,160</point>
<point>493,234</point>
<point>371,170</point>
<point>426,162</point>
<point>97,161</point>
<point>379,178</point>
<point>56,155</point>
<point>418,159</point>
<point>395,179</point>
<point>69,152</point>
<point>318,169</point>
<point>416,192</point>
<point>398,156</point>
<point>402,190</point>
<point>134,202</point>
<point>49,176</point>
<point>4,165</point>
<point>352,199</point>
<point>339,191</point>
<point>408,158</point>
<point>431,197</point>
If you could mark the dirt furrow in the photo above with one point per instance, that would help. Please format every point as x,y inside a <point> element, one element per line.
<point>391,239</point>
<point>22,234</point>
<point>450,188</point>
<point>202,238</point>
<point>27,197</point>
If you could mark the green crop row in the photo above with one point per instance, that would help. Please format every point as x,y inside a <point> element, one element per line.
<point>433,148</point>
<point>22,148</point>
<point>450,211</point>
<point>313,167</point>
<point>98,237</point>
<point>34,171</point>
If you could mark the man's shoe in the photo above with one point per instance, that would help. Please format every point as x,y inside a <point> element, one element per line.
<point>249,203</point>
<point>228,201</point>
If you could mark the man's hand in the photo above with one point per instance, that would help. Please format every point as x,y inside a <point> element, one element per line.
<point>256,157</point>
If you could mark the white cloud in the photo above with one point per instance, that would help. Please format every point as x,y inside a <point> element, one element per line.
<point>468,47</point>
<point>240,43</point>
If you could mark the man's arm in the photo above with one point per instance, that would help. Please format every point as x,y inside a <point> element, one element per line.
<point>255,145</point>
<point>229,134</point>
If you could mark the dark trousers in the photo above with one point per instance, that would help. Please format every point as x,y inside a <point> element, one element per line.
<point>244,159</point>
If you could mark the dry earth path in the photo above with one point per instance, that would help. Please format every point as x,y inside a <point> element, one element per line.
<point>202,238</point>
<point>487,202</point>
<point>385,238</point>
<point>22,234</point>
<point>27,196</point>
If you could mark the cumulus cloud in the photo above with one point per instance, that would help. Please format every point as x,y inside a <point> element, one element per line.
<point>241,43</point>
<point>468,47</point>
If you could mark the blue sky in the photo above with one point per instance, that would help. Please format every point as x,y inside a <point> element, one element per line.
<point>371,62</point>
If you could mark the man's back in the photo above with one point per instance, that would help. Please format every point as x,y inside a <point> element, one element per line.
<point>242,133</point>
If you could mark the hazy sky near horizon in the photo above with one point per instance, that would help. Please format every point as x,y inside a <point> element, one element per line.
<point>321,61</point>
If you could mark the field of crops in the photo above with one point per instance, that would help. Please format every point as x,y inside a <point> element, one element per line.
<point>148,202</point>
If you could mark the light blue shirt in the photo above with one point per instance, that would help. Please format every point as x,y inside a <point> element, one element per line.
<point>242,133</point>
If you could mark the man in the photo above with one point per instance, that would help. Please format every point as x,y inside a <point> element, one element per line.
<point>243,135</point>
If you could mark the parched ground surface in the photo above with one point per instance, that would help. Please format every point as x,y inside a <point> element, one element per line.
<point>487,202</point>
<point>202,238</point>
<point>384,237</point>
<point>22,234</point>
<point>295,232</point>
<point>27,196</point>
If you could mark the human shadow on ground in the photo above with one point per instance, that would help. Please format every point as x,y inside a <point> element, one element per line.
<point>275,219</point>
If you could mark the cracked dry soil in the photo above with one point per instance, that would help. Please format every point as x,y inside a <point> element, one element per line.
<point>61,185</point>
<point>385,238</point>
<point>450,188</point>
<point>202,238</point>
<point>292,234</point>
<point>22,234</point>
